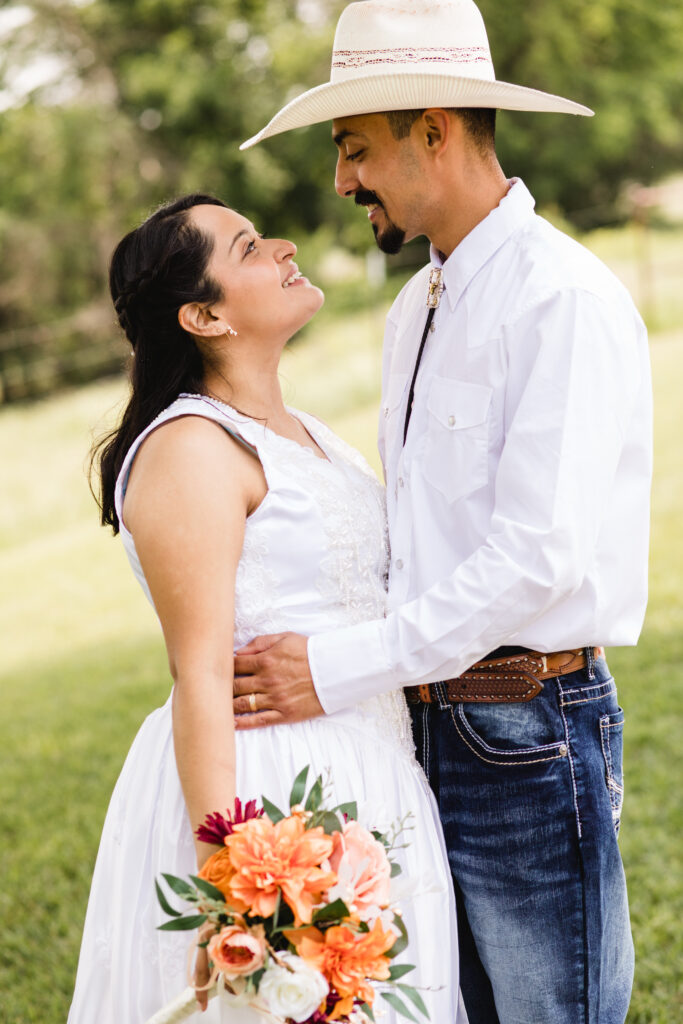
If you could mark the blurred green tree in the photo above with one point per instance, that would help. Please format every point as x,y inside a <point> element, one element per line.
<point>152,97</point>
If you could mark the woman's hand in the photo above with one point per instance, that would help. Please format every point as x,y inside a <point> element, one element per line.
<point>202,972</point>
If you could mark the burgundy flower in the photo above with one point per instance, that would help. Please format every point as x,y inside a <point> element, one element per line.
<point>216,827</point>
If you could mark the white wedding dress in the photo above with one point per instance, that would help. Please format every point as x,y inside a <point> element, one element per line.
<point>314,558</point>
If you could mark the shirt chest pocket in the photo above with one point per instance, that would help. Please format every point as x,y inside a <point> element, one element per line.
<point>456,451</point>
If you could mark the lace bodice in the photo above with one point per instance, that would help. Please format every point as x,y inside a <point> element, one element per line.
<point>315,554</point>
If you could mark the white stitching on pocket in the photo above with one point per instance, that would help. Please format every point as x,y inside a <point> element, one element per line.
<point>504,754</point>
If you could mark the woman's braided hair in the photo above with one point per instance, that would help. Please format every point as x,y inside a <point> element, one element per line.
<point>155,270</point>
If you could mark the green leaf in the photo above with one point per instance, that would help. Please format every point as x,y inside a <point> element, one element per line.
<point>398,1005</point>
<point>330,823</point>
<point>179,885</point>
<point>367,1010</point>
<point>273,812</point>
<point>165,905</point>
<point>398,970</point>
<point>401,941</point>
<point>350,810</point>
<point>415,998</point>
<point>208,889</point>
<point>183,924</point>
<point>315,797</point>
<point>255,978</point>
<point>299,787</point>
<point>332,911</point>
<point>395,869</point>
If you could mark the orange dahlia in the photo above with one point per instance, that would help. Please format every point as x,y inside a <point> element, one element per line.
<point>285,856</point>
<point>346,957</point>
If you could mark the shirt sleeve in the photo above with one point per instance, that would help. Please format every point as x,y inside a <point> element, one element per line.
<point>577,361</point>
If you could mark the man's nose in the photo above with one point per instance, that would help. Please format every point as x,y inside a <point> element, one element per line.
<point>345,179</point>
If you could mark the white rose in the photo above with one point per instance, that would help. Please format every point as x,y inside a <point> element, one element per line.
<point>294,993</point>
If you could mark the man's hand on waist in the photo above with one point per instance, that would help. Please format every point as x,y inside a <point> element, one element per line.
<point>273,682</point>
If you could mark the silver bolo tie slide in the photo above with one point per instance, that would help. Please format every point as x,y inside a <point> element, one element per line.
<point>433,298</point>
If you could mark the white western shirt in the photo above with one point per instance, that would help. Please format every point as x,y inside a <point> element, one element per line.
<point>519,506</point>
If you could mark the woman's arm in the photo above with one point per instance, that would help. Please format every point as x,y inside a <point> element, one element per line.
<point>189,493</point>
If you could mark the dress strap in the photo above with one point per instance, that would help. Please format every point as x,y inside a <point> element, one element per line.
<point>185,405</point>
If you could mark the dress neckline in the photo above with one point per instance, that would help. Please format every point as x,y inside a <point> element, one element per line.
<point>327,456</point>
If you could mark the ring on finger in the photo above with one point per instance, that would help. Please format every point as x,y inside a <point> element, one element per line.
<point>252,702</point>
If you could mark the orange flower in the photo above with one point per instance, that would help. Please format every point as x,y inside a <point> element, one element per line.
<point>347,958</point>
<point>219,870</point>
<point>285,856</point>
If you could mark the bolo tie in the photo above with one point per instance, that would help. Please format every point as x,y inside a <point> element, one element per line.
<point>433,297</point>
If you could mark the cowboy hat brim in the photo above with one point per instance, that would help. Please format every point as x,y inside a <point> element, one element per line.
<point>374,93</point>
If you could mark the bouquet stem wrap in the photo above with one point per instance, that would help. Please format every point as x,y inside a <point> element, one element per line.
<point>180,1008</point>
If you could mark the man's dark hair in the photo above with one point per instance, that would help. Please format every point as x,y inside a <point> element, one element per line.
<point>479,122</point>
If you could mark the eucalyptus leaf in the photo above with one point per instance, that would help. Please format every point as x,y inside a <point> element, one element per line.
<point>183,924</point>
<point>332,911</point>
<point>367,1010</point>
<point>179,885</point>
<point>395,869</point>
<point>349,809</point>
<point>165,905</point>
<point>398,1005</point>
<point>273,812</point>
<point>401,941</point>
<point>330,823</point>
<point>398,970</point>
<point>415,998</point>
<point>208,889</point>
<point>299,788</point>
<point>315,797</point>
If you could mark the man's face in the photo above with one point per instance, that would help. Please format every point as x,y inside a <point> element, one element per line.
<point>381,173</point>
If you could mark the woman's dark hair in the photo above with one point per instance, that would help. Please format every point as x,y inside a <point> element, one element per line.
<point>154,271</point>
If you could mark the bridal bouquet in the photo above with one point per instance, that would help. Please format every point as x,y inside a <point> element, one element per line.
<point>295,911</point>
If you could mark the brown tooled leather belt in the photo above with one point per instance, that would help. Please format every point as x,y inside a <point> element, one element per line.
<point>512,678</point>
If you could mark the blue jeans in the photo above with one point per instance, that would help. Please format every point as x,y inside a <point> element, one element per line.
<point>530,797</point>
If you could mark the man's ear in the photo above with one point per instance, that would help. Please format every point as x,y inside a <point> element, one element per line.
<point>197,319</point>
<point>436,128</point>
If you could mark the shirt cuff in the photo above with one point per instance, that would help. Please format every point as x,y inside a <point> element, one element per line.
<point>349,665</point>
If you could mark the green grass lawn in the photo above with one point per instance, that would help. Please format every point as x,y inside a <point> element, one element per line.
<point>82,664</point>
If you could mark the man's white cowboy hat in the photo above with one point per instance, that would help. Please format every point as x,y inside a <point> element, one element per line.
<point>409,55</point>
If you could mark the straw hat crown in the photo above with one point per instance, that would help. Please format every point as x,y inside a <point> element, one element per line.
<point>410,54</point>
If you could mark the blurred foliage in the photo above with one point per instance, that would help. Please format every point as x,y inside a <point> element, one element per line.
<point>153,96</point>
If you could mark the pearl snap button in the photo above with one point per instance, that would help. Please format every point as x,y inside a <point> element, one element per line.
<point>399,563</point>
<point>451,421</point>
<point>400,481</point>
<point>563,750</point>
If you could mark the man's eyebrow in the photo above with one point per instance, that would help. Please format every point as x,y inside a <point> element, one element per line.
<point>344,134</point>
<point>238,235</point>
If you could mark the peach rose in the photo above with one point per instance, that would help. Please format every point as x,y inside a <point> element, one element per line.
<point>219,870</point>
<point>237,952</point>
<point>346,957</point>
<point>286,856</point>
<point>363,870</point>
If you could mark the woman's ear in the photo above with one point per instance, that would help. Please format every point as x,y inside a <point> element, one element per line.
<point>199,320</point>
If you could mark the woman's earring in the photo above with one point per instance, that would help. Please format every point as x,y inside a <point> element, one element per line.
<point>233,334</point>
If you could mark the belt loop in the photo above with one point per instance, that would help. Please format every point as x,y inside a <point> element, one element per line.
<point>441,696</point>
<point>590,662</point>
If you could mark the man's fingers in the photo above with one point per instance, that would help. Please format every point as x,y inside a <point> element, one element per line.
<point>251,703</point>
<point>260,643</point>
<point>258,721</point>
<point>244,683</point>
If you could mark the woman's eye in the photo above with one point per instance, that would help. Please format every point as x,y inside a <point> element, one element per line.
<point>250,247</point>
<point>354,156</point>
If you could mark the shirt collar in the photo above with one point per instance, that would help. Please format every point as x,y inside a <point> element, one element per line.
<point>516,207</point>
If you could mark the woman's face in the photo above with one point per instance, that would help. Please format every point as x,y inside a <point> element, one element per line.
<point>264,293</point>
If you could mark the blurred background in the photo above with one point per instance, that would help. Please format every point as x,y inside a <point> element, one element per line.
<point>108,107</point>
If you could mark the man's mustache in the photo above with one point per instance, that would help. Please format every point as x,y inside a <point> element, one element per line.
<point>364,198</point>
